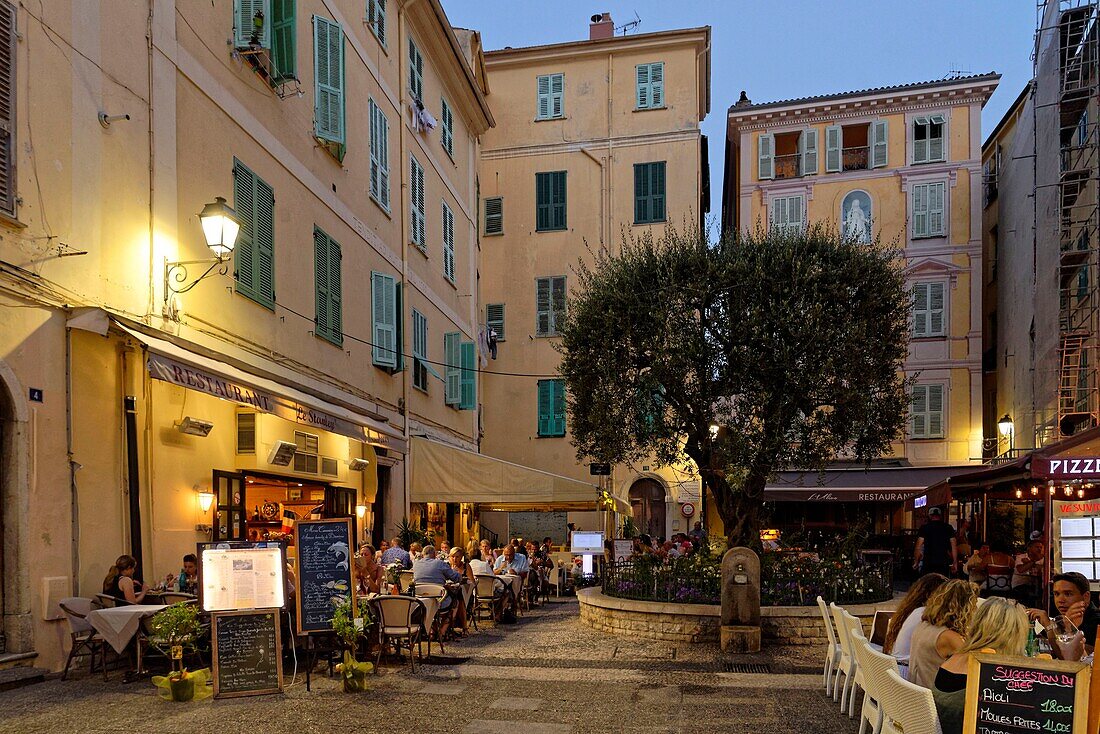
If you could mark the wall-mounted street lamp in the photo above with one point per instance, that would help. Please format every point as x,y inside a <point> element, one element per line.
<point>220,227</point>
<point>206,501</point>
<point>1005,427</point>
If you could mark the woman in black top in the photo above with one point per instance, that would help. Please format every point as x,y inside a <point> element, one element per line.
<point>120,582</point>
<point>999,625</point>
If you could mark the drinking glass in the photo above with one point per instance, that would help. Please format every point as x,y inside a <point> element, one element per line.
<point>1070,640</point>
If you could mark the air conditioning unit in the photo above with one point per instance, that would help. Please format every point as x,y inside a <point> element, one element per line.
<point>282,453</point>
<point>194,426</point>
<point>358,464</point>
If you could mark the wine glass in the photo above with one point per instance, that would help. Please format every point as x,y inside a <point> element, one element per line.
<point>1070,640</point>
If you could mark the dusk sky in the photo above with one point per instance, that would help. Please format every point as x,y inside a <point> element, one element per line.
<point>798,47</point>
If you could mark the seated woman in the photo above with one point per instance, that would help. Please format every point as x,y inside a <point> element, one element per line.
<point>457,559</point>
<point>942,629</point>
<point>899,634</point>
<point>368,573</point>
<point>120,583</point>
<point>998,624</point>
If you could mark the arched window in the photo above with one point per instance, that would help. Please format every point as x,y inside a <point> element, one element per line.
<point>856,216</point>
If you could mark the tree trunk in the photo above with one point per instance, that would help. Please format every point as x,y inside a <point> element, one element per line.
<point>739,509</point>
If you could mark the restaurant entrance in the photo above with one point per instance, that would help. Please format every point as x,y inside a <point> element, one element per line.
<point>257,506</point>
<point>647,504</point>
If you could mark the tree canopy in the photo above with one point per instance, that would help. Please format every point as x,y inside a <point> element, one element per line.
<point>790,344</point>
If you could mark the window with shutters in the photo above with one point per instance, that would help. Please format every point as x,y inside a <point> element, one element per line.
<point>420,351</point>
<point>254,253</point>
<point>251,26</point>
<point>551,397</point>
<point>416,72</point>
<point>550,201</point>
<point>8,36</point>
<point>928,209</point>
<point>926,411</point>
<point>416,204</point>
<point>551,97</point>
<point>452,381</point>
<point>306,452</point>
<point>788,214</point>
<point>649,192</point>
<point>929,309</point>
<point>329,288</point>
<point>494,319</point>
<point>328,72</point>
<point>284,41</point>
<point>549,305</point>
<point>246,433</point>
<point>468,376</point>
<point>447,127</point>
<point>650,85</point>
<point>848,147</point>
<point>384,315</point>
<point>787,155</point>
<point>929,136</point>
<point>379,156</point>
<point>448,243</point>
<point>494,215</point>
<point>376,19</point>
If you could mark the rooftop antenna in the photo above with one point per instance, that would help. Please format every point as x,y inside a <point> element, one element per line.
<point>956,71</point>
<point>630,24</point>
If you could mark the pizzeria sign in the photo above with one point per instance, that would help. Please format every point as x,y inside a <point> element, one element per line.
<point>1066,467</point>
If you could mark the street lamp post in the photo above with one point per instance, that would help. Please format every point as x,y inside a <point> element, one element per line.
<point>220,226</point>
<point>1006,428</point>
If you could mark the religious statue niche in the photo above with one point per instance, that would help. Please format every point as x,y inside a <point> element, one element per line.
<point>855,212</point>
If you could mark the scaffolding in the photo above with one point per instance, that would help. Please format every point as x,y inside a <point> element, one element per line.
<point>1069,28</point>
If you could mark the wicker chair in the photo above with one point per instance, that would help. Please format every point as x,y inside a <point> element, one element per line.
<point>873,666</point>
<point>907,708</point>
<point>487,596</point>
<point>832,651</point>
<point>85,640</point>
<point>399,618</point>
<point>847,664</point>
<point>438,592</point>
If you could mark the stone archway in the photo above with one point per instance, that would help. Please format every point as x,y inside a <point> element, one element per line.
<point>15,602</point>
<point>647,504</point>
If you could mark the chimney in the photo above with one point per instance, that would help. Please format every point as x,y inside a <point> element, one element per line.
<point>601,27</point>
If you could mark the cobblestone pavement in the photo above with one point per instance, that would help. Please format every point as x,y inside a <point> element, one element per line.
<point>546,675</point>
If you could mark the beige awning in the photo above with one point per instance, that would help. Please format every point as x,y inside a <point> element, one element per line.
<point>442,473</point>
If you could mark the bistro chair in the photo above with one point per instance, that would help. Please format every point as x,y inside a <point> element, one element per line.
<point>832,651</point>
<point>406,581</point>
<point>174,597</point>
<point>438,592</point>
<point>872,669</point>
<point>106,601</point>
<point>399,618</point>
<point>486,593</point>
<point>85,640</point>
<point>906,707</point>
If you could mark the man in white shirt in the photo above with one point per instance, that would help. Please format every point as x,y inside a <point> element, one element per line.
<point>511,562</point>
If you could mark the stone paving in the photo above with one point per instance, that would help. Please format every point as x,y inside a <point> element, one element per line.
<point>546,675</point>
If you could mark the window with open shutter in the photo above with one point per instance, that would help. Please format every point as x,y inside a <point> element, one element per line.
<point>880,137</point>
<point>765,163</point>
<point>550,92</point>
<point>416,204</point>
<point>328,287</point>
<point>245,34</point>
<point>328,69</point>
<point>384,314</point>
<point>452,383</point>
<point>8,36</point>
<point>379,156</point>
<point>494,215</point>
<point>551,403</point>
<point>416,71</point>
<point>468,378</point>
<point>448,243</point>
<point>649,192</point>
<point>376,19</point>
<point>928,138</point>
<point>926,411</point>
<point>833,140</point>
<point>254,254</point>
<point>550,201</point>
<point>807,146</point>
<point>421,367</point>
<point>650,85</point>
<point>549,304</point>
<point>494,319</point>
<point>447,127</point>
<point>284,48</point>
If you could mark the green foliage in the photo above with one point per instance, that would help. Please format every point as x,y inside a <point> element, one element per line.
<point>409,534</point>
<point>176,626</point>
<point>791,343</point>
<point>1004,527</point>
<point>627,528</point>
<point>345,626</point>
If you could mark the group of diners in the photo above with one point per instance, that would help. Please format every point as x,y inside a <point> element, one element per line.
<point>123,586</point>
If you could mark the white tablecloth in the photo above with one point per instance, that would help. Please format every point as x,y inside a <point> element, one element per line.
<point>118,625</point>
<point>431,608</point>
<point>515,582</point>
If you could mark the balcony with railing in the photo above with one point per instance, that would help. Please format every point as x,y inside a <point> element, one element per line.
<point>855,159</point>
<point>788,166</point>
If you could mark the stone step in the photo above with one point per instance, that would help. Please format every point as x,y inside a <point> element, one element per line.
<point>22,676</point>
<point>16,659</point>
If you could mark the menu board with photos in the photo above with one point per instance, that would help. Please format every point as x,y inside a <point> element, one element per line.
<point>233,578</point>
<point>247,656</point>
<point>1077,538</point>
<point>324,572</point>
<point>1008,694</point>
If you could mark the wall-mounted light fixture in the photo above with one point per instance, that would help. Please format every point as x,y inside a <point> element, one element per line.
<point>1034,491</point>
<point>220,226</point>
<point>361,511</point>
<point>206,501</point>
<point>1019,493</point>
<point>1080,494</point>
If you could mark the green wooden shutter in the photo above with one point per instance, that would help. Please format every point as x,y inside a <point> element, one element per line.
<point>920,210</point>
<point>936,298</point>
<point>543,317</point>
<point>383,316</point>
<point>879,143</point>
<point>416,71</point>
<point>328,65</point>
<point>543,95</point>
<point>376,18</point>
<point>448,243</point>
<point>557,424</point>
<point>807,143</point>
<point>452,387</point>
<point>335,293</point>
<point>264,241</point>
<point>557,95</point>
<point>935,209</point>
<point>284,49</point>
<point>494,319</point>
<point>641,83</point>
<point>243,13</point>
<point>546,402</point>
<point>557,297</point>
<point>379,155</point>
<point>244,253</point>
<point>447,123</point>
<point>936,125</point>
<point>468,386</point>
<point>557,200</point>
<point>833,141</point>
<point>321,274</point>
<point>416,200</point>
<point>399,323</point>
<point>920,140</point>
<point>918,412</point>
<point>657,84</point>
<point>920,309</point>
<point>657,191</point>
<point>494,215</point>
<point>8,38</point>
<point>765,163</point>
<point>542,202</point>
<point>935,411</point>
<point>641,192</point>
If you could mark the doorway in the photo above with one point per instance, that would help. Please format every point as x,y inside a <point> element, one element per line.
<point>647,505</point>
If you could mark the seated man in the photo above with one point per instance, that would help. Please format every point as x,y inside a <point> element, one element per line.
<point>188,579</point>
<point>511,563</point>
<point>502,593</point>
<point>396,554</point>
<point>431,570</point>
<point>1073,600</point>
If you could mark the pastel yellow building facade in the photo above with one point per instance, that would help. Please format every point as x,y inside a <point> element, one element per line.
<point>137,372</point>
<point>901,164</point>
<point>596,141</point>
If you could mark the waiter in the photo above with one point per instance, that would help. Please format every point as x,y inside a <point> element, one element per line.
<point>936,546</point>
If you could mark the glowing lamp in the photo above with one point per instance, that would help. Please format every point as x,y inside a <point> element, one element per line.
<point>221,226</point>
<point>206,501</point>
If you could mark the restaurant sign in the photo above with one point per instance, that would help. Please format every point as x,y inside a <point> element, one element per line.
<point>1066,467</point>
<point>839,495</point>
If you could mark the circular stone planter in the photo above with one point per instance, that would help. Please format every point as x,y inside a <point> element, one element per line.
<point>700,622</point>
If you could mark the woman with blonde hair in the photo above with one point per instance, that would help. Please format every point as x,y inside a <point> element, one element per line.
<point>1000,625</point>
<point>908,614</point>
<point>942,629</point>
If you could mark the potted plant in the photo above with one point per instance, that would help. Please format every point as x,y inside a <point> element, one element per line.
<point>176,629</point>
<point>349,627</point>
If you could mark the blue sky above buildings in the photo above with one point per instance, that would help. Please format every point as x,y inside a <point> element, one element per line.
<point>796,48</point>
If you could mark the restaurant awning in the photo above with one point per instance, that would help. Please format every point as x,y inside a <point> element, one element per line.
<point>859,484</point>
<point>443,473</point>
<point>204,372</point>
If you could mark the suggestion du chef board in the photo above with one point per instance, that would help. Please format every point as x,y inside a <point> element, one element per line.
<point>1008,695</point>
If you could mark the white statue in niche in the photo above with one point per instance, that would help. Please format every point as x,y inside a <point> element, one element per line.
<point>856,211</point>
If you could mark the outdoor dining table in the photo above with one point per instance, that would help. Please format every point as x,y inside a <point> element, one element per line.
<point>118,625</point>
<point>516,582</point>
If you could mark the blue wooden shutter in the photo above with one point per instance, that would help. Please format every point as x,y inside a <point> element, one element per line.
<point>641,84</point>
<point>384,317</point>
<point>452,388</point>
<point>284,49</point>
<point>321,274</point>
<point>328,65</point>
<point>546,402</point>
<point>543,96</point>
<point>468,385</point>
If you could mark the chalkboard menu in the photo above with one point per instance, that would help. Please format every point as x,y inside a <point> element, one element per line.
<point>324,573</point>
<point>247,653</point>
<point>1007,695</point>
